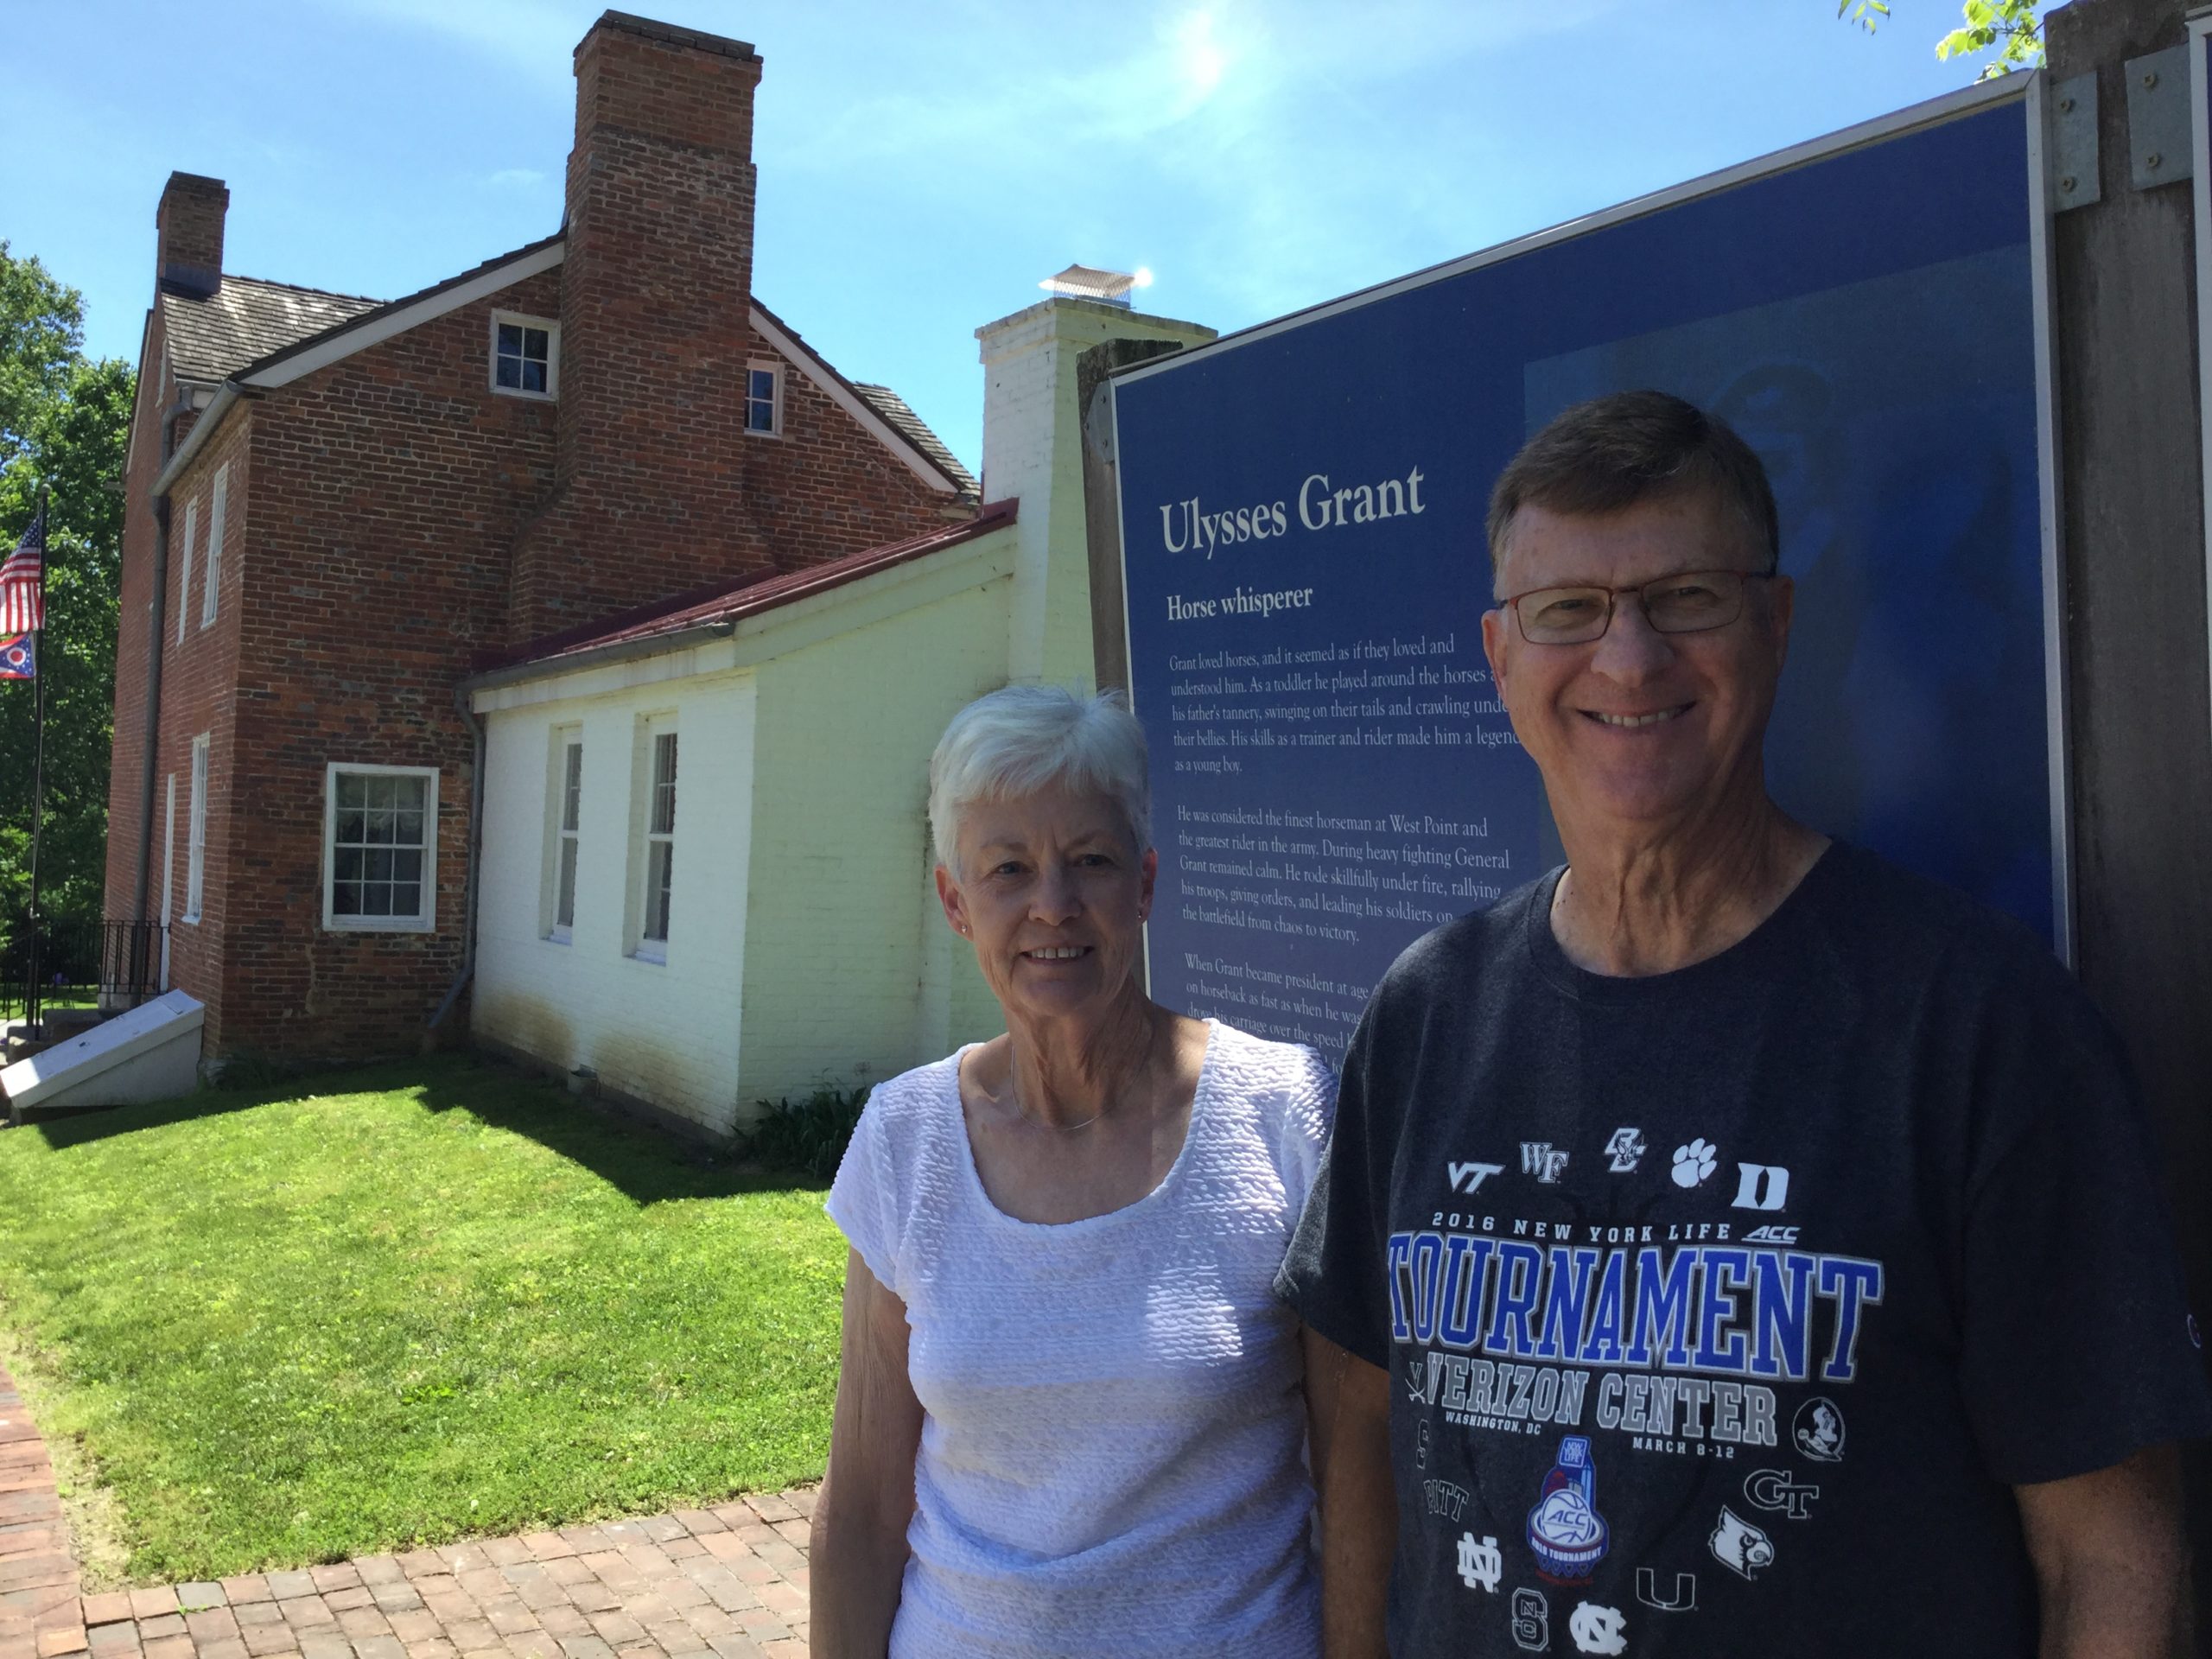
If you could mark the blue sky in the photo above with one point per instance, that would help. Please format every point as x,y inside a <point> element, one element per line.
<point>923,165</point>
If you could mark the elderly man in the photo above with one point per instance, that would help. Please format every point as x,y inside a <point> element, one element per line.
<point>1731,1243</point>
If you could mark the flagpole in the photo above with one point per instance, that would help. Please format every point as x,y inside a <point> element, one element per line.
<point>31,1009</point>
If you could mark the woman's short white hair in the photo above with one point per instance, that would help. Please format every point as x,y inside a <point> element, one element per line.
<point>1028,738</point>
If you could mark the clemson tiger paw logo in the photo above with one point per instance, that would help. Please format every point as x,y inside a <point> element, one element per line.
<point>1695,1162</point>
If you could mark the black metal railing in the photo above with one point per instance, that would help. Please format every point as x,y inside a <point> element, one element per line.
<point>78,964</point>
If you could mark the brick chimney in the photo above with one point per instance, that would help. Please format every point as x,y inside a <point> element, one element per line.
<point>655,291</point>
<point>188,234</point>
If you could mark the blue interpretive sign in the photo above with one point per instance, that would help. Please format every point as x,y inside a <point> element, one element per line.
<point>1304,565</point>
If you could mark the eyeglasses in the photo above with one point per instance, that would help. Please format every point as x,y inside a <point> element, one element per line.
<point>1688,603</point>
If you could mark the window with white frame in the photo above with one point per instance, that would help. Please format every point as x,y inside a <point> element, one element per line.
<point>210,567</point>
<point>764,399</point>
<point>196,839</point>
<point>184,569</point>
<point>525,355</point>
<point>380,828</point>
<point>657,865</point>
<point>567,781</point>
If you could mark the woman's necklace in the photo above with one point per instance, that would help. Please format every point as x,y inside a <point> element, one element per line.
<point>1013,1093</point>
<point>1027,1116</point>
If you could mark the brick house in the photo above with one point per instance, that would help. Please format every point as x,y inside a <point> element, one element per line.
<point>340,509</point>
<point>692,938</point>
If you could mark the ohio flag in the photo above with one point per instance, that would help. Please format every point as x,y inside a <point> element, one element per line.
<point>19,658</point>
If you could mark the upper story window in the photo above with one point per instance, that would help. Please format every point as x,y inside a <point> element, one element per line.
<point>211,577</point>
<point>525,355</point>
<point>184,563</point>
<point>764,399</point>
<point>380,848</point>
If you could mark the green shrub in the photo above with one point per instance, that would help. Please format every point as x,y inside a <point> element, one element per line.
<point>809,1137</point>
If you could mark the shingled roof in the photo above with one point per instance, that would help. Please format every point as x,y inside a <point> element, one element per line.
<point>249,325</point>
<point>245,319</point>
<point>893,409</point>
<point>732,602</point>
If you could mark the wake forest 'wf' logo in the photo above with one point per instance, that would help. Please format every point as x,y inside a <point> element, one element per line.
<point>1566,1532</point>
<point>1543,1160</point>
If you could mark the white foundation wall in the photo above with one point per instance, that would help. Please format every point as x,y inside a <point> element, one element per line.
<point>852,973</point>
<point>668,1033</point>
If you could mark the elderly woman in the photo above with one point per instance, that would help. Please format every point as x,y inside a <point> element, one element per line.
<point>1070,1419</point>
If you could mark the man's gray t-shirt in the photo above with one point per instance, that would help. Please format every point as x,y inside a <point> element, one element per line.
<point>1723,1308</point>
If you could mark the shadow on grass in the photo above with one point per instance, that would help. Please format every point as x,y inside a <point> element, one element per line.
<point>647,1166</point>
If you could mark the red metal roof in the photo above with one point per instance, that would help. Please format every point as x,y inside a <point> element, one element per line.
<point>750,598</point>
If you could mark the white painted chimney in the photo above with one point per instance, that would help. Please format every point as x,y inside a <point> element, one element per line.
<point>1032,450</point>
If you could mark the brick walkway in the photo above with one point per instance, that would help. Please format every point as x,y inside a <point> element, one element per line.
<point>730,1581</point>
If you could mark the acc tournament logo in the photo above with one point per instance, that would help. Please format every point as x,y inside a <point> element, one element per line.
<point>1566,1532</point>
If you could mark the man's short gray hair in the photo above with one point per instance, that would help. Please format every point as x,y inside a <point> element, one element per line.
<point>1615,452</point>
<point>1028,738</point>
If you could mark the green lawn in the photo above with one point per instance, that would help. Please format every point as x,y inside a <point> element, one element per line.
<point>408,1305</point>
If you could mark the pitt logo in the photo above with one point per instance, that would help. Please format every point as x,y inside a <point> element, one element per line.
<point>1447,1500</point>
<point>1543,1160</point>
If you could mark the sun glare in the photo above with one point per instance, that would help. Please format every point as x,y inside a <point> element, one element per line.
<point>1199,56</point>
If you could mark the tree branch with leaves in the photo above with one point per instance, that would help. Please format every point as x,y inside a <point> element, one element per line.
<point>2011,27</point>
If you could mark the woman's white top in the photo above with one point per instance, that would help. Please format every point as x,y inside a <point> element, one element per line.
<point>1111,1454</point>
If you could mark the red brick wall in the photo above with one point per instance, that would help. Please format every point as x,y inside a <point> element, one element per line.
<point>388,489</point>
<point>827,486</point>
<point>139,534</point>
<point>199,694</point>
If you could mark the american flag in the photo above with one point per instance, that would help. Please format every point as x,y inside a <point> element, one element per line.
<point>23,581</point>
